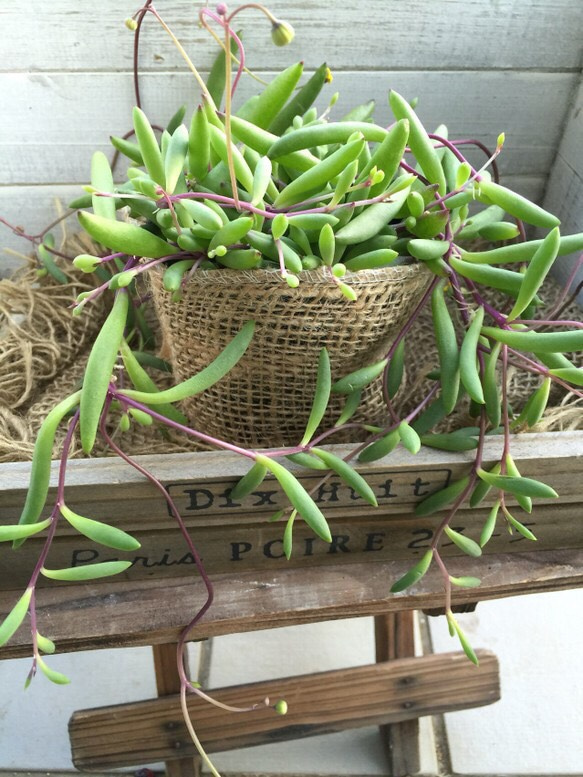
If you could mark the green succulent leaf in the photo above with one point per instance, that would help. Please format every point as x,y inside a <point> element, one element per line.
<point>87,571</point>
<point>414,574</point>
<point>15,617</point>
<point>99,532</point>
<point>349,475</point>
<point>321,396</point>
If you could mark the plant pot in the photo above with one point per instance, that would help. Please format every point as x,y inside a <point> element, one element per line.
<point>265,401</point>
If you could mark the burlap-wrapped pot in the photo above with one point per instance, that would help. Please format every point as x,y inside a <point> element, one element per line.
<point>265,400</point>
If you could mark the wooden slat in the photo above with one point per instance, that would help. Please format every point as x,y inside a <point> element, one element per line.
<point>84,617</point>
<point>394,639</point>
<point>167,684</point>
<point>37,151</point>
<point>320,703</point>
<point>239,537</point>
<point>483,34</point>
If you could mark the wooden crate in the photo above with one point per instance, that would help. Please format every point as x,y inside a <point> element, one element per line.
<point>239,537</point>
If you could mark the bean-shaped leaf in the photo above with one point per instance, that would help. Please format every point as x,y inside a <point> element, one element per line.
<point>321,396</point>
<point>517,205</point>
<point>216,370</point>
<point>317,177</point>
<point>359,378</point>
<point>87,571</point>
<point>414,574</point>
<point>396,369</point>
<point>449,442</point>
<point>469,373</point>
<point>482,488</point>
<point>350,407</point>
<point>15,617</point>
<point>489,525</point>
<point>126,238</point>
<point>261,141</point>
<point>349,475</point>
<point>573,375</point>
<point>370,260</point>
<point>518,485</point>
<point>536,272</point>
<point>374,218</point>
<point>537,342</point>
<point>324,135</point>
<point>447,348</point>
<point>427,250</point>
<point>437,501</point>
<point>51,674</point>
<point>21,531</point>
<point>522,252</point>
<point>380,448</point>
<point>175,157</point>
<point>199,145</point>
<point>102,180</point>
<point>490,386</point>
<point>388,155</point>
<point>467,648</point>
<point>149,148</point>
<point>242,170</point>
<point>299,497</point>
<point>301,101</point>
<point>465,582</point>
<point>520,527</point>
<point>511,469</point>
<point>99,532</point>
<point>99,368</point>
<point>288,535</point>
<point>496,277</point>
<point>45,644</point>
<point>248,482</point>
<point>265,108</point>
<point>143,382</point>
<point>41,462</point>
<point>127,148</point>
<point>307,460</point>
<point>463,543</point>
<point>419,141</point>
<point>409,437</point>
<point>231,232</point>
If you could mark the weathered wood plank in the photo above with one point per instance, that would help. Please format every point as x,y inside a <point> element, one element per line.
<point>322,703</point>
<point>238,536</point>
<point>412,34</point>
<point>168,684</point>
<point>39,151</point>
<point>564,193</point>
<point>394,639</point>
<point>84,617</point>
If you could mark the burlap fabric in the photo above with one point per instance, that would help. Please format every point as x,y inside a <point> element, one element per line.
<point>266,399</point>
<point>39,337</point>
<point>564,411</point>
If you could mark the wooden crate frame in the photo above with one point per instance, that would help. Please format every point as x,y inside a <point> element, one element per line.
<point>330,578</point>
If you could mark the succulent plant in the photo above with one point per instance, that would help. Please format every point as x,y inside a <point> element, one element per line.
<point>279,187</point>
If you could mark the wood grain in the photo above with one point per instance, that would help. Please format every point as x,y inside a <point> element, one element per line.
<point>84,617</point>
<point>321,703</point>
<point>404,33</point>
<point>239,537</point>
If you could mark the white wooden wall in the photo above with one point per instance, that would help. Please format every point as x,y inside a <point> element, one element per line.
<point>482,67</point>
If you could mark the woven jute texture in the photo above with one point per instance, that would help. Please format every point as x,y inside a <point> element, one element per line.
<point>38,335</point>
<point>265,401</point>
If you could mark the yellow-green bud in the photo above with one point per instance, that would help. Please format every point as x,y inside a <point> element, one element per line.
<point>281,707</point>
<point>282,33</point>
<point>131,24</point>
<point>124,423</point>
<point>339,270</point>
<point>292,281</point>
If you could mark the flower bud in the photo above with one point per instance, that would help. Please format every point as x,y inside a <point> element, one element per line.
<point>281,707</point>
<point>282,33</point>
<point>293,282</point>
<point>131,24</point>
<point>221,9</point>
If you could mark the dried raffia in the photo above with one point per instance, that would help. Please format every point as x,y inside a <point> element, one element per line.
<point>39,337</point>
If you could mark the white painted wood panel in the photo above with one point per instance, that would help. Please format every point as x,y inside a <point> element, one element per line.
<point>34,207</point>
<point>410,34</point>
<point>54,122</point>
